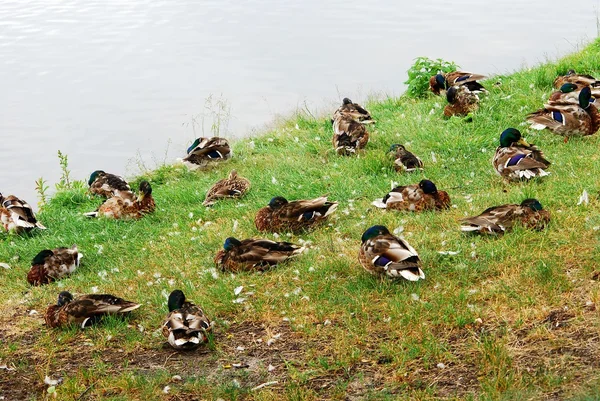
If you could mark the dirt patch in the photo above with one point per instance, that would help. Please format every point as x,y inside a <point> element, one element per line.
<point>249,352</point>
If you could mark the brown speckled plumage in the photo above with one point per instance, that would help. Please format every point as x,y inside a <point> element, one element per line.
<point>456,78</point>
<point>16,215</point>
<point>348,136</point>
<point>384,254</point>
<point>500,219</point>
<point>460,101</point>
<point>85,309</point>
<point>353,111</point>
<point>233,186</point>
<point>50,265</point>
<point>108,185</point>
<point>578,79</point>
<point>415,198</point>
<point>187,325</point>
<point>119,207</point>
<point>207,150</point>
<point>281,215</point>
<point>254,254</point>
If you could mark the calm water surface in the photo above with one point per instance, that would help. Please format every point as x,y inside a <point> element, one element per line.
<point>106,80</point>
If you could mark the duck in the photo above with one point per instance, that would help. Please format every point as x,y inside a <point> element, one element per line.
<point>353,111</point>
<point>416,198</point>
<point>283,215</point>
<point>501,219</point>
<point>348,136</point>
<point>405,161</point>
<point>578,79</point>
<point>461,101</point>
<point>234,186</point>
<point>515,159</point>
<point>85,310</point>
<point>186,326</point>
<point>568,119</point>
<point>254,254</point>
<point>50,265</point>
<point>17,216</point>
<point>108,185</point>
<point>569,93</point>
<point>119,207</point>
<point>444,81</point>
<point>207,150</point>
<point>383,254</point>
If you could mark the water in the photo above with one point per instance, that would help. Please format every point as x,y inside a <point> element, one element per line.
<point>110,82</point>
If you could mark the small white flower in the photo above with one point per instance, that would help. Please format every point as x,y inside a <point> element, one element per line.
<point>274,180</point>
<point>433,158</point>
<point>414,297</point>
<point>95,290</point>
<point>441,365</point>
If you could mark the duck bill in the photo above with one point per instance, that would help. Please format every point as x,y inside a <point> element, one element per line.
<point>523,142</point>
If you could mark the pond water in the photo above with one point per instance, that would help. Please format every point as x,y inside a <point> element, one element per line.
<point>113,83</point>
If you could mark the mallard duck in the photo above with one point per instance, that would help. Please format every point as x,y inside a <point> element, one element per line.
<point>461,101</point>
<point>86,309</point>
<point>206,150</point>
<point>499,219</point>
<point>118,207</point>
<point>579,79</point>
<point>17,216</point>
<point>108,185</point>
<point>254,254</point>
<point>186,325</point>
<point>515,159</point>
<point>233,186</point>
<point>405,161</point>
<point>444,81</point>
<point>382,253</point>
<point>50,265</point>
<point>281,215</point>
<point>569,93</point>
<point>348,136</point>
<point>568,119</point>
<point>353,111</point>
<point>416,198</point>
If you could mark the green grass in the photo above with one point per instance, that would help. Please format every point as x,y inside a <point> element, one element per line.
<point>344,334</point>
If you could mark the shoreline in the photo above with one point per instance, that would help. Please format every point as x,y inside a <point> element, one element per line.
<point>504,317</point>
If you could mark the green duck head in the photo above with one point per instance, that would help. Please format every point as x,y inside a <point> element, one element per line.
<point>231,243</point>
<point>428,187</point>
<point>396,146</point>
<point>585,96</point>
<point>346,101</point>
<point>532,203</point>
<point>176,300</point>
<point>64,298</point>
<point>95,175</point>
<point>194,144</point>
<point>40,258</point>
<point>568,87</point>
<point>510,136</point>
<point>277,202</point>
<point>373,232</point>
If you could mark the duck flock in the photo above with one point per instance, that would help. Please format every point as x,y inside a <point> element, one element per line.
<point>570,111</point>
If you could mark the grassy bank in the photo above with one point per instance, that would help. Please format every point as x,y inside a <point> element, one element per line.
<point>504,318</point>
